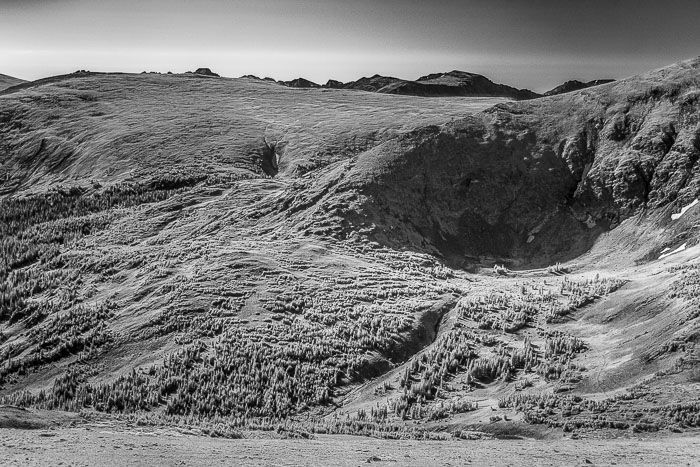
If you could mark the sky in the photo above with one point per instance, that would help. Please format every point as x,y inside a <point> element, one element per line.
<point>535,44</point>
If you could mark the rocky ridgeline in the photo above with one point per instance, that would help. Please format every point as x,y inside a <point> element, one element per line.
<point>9,81</point>
<point>575,85</point>
<point>453,83</point>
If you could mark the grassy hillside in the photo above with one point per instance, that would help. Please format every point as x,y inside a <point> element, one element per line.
<point>241,255</point>
<point>112,127</point>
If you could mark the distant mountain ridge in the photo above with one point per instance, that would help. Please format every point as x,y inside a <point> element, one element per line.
<point>575,85</point>
<point>453,83</point>
<point>9,81</point>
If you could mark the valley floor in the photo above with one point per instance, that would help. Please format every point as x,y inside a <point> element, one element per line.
<point>107,444</point>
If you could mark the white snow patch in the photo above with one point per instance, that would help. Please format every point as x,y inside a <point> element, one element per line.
<point>677,250</point>
<point>675,217</point>
<point>619,361</point>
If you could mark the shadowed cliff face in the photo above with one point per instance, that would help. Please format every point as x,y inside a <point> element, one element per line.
<point>528,182</point>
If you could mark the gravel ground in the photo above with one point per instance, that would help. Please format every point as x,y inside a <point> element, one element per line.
<point>97,445</point>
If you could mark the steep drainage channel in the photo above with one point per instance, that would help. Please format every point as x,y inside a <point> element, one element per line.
<point>429,325</point>
<point>431,322</point>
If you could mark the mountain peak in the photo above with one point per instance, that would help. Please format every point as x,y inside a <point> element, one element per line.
<point>300,83</point>
<point>452,83</point>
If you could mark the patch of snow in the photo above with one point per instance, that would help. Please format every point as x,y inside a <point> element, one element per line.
<point>677,250</point>
<point>619,361</point>
<point>675,217</point>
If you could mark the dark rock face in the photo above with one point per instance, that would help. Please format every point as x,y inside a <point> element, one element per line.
<point>205,72</point>
<point>472,190</point>
<point>575,85</point>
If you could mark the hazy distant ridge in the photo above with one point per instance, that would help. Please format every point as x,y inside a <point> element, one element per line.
<point>453,83</point>
<point>9,81</point>
<point>575,85</point>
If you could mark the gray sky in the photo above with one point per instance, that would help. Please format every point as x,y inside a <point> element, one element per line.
<point>535,44</point>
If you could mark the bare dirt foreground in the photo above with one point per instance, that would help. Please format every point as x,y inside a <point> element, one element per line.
<point>110,445</point>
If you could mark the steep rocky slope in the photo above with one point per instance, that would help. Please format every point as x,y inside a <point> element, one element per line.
<point>242,255</point>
